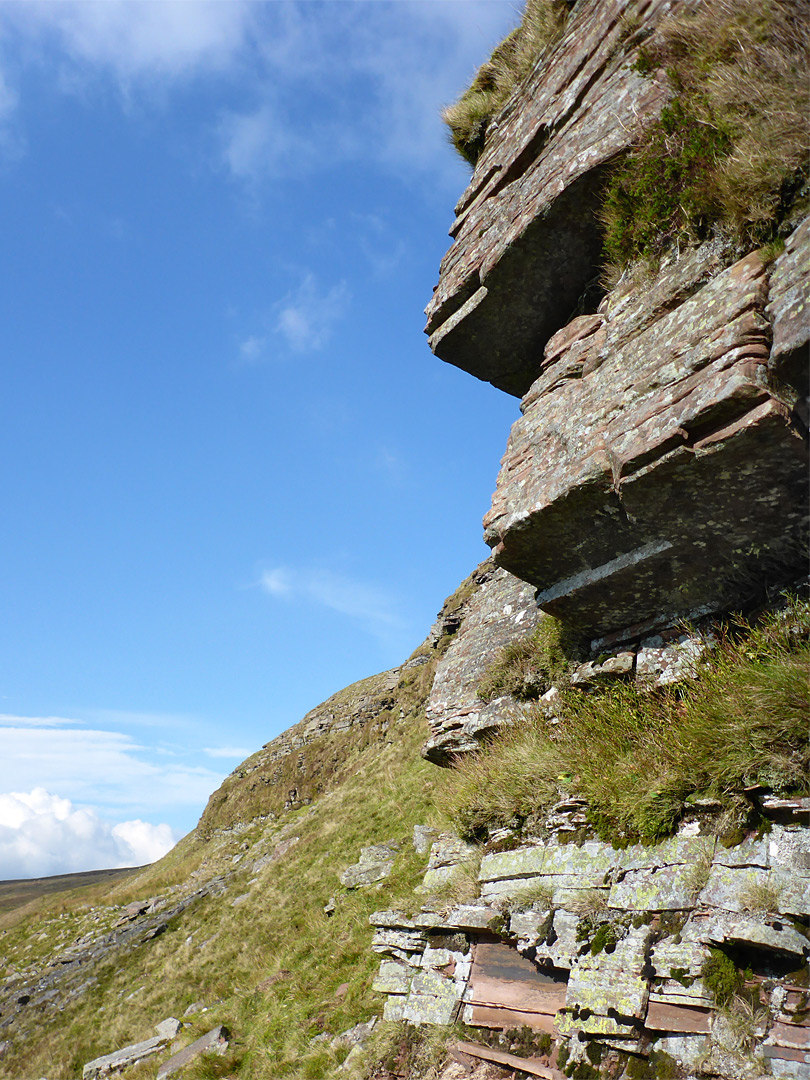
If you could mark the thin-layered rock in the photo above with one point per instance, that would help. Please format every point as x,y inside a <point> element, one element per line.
<point>659,467</point>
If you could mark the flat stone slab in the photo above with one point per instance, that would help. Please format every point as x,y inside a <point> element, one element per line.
<point>121,1059</point>
<point>589,862</point>
<point>215,1040</point>
<point>393,978</point>
<point>613,984</point>
<point>668,888</point>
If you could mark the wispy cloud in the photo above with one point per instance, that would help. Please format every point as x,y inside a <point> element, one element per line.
<point>306,316</point>
<point>252,349</point>
<point>6,720</point>
<point>305,66</point>
<point>238,752</point>
<point>264,144</point>
<point>105,768</point>
<point>373,607</point>
<point>42,834</point>
<point>175,38</point>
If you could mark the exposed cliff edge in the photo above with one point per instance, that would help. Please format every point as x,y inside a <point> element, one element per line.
<point>659,468</point>
<point>608,876</point>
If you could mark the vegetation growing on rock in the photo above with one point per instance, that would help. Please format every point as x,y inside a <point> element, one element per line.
<point>729,152</point>
<point>470,118</point>
<point>526,668</point>
<point>636,755</point>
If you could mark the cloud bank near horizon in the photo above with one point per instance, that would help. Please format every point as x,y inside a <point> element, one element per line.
<point>42,834</point>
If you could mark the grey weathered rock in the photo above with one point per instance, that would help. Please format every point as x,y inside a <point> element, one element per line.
<point>669,888</point>
<point>168,1028</point>
<point>611,988</point>
<point>646,484</point>
<point>215,1040</point>
<point>423,837</point>
<point>375,863</point>
<point>660,664</point>
<point>447,854</point>
<point>501,611</point>
<point>787,308</point>
<point>610,670</point>
<point>640,982</point>
<point>121,1059</point>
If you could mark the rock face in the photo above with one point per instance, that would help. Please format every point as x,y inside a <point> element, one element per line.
<point>609,946</point>
<point>659,467</point>
<point>659,463</point>
<point>502,610</point>
<point>524,244</point>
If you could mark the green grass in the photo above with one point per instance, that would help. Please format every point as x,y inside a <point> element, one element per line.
<point>234,950</point>
<point>721,977</point>
<point>469,119</point>
<point>526,668</point>
<point>274,968</point>
<point>729,152</point>
<point>636,756</point>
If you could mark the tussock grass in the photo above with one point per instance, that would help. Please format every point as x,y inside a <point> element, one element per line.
<point>469,119</point>
<point>637,756</point>
<point>526,668</point>
<point>729,153</point>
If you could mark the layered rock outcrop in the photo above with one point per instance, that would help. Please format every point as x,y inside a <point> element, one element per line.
<point>525,248</point>
<point>611,947</point>
<point>659,468</point>
<point>660,462</point>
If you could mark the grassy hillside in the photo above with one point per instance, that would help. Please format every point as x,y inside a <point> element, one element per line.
<point>233,920</point>
<point>257,950</point>
<point>25,891</point>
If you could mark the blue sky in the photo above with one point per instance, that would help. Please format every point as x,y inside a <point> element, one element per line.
<point>235,477</point>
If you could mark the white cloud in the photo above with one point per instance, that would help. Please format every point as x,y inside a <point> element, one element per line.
<point>227,752</point>
<point>138,40</point>
<point>307,315</point>
<point>105,768</point>
<point>42,834</point>
<point>252,349</point>
<point>365,602</point>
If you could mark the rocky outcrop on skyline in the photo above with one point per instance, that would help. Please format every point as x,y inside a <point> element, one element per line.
<point>658,470</point>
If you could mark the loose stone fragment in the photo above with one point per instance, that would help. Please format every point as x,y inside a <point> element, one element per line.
<point>216,1040</point>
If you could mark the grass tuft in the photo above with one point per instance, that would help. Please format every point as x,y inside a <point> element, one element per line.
<point>470,118</point>
<point>526,668</point>
<point>636,756</point>
<point>729,152</point>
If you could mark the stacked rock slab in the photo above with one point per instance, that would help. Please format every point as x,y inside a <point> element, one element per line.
<point>525,246</point>
<point>659,468</point>
<point>660,464</point>
<point>591,943</point>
